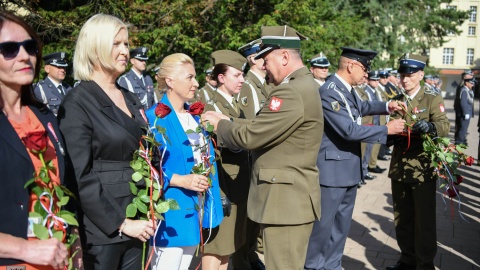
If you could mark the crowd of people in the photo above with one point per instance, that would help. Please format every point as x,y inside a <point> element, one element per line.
<point>290,147</point>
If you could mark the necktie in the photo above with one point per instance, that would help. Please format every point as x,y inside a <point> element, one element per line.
<point>235,105</point>
<point>60,89</point>
<point>354,94</point>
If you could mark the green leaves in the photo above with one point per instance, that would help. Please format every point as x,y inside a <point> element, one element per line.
<point>141,203</point>
<point>40,231</point>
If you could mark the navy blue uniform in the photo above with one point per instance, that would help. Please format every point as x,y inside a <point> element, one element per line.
<point>339,162</point>
<point>50,95</point>
<point>142,88</point>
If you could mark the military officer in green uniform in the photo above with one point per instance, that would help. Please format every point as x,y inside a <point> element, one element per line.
<point>284,138</point>
<point>412,176</point>
<point>251,99</point>
<point>253,95</point>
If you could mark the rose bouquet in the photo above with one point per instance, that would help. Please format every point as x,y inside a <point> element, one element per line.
<point>445,156</point>
<point>206,166</point>
<point>50,197</point>
<point>148,203</point>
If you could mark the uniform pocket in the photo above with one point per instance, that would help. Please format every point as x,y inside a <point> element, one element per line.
<point>277,176</point>
<point>337,155</point>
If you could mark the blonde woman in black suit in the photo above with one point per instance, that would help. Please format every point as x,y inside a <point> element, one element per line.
<point>103,124</point>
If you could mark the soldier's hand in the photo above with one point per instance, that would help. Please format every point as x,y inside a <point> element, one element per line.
<point>396,126</point>
<point>213,118</point>
<point>423,126</point>
<point>396,106</point>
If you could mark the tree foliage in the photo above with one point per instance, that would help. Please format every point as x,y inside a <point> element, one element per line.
<point>199,27</point>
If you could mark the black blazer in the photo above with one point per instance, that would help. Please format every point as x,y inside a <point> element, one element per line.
<point>15,170</point>
<point>100,139</point>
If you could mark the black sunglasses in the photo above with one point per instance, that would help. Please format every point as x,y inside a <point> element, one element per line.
<point>10,49</point>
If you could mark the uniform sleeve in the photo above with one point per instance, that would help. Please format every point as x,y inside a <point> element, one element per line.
<point>122,81</point>
<point>38,94</point>
<point>341,122</point>
<point>464,102</point>
<point>438,116</point>
<point>270,127</point>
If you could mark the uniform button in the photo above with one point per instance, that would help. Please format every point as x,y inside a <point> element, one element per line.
<point>273,179</point>
<point>338,156</point>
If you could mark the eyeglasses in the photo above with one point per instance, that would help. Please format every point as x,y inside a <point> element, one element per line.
<point>10,49</point>
<point>366,70</point>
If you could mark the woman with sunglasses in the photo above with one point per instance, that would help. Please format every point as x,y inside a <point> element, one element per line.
<point>20,116</point>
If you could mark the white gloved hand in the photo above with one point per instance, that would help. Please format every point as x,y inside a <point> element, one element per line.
<point>467,116</point>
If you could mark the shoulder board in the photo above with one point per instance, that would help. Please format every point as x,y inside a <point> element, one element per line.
<point>429,91</point>
<point>331,85</point>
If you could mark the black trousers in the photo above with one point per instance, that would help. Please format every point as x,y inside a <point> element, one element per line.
<point>125,256</point>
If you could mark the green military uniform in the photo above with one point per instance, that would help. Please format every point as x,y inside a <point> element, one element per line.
<point>206,93</point>
<point>382,96</point>
<point>252,96</point>
<point>234,174</point>
<point>284,139</point>
<point>414,180</point>
<point>367,120</point>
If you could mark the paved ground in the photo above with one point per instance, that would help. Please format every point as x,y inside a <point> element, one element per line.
<point>372,244</point>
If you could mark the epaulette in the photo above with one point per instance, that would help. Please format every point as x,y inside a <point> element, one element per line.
<point>331,85</point>
<point>397,97</point>
<point>429,91</point>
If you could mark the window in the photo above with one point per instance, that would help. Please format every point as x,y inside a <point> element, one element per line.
<point>451,33</point>
<point>472,30</point>
<point>448,56</point>
<point>470,53</point>
<point>473,13</point>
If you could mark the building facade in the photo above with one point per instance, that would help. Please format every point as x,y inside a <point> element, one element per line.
<point>460,52</point>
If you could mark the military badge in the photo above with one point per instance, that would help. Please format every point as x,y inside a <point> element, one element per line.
<point>335,106</point>
<point>275,104</point>
<point>244,101</point>
<point>430,92</point>
<point>442,108</point>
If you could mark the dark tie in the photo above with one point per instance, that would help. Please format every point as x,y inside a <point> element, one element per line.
<point>354,93</point>
<point>60,89</point>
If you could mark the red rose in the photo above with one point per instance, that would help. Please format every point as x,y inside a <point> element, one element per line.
<point>459,180</point>
<point>469,161</point>
<point>162,110</point>
<point>452,192</point>
<point>36,141</point>
<point>196,108</point>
